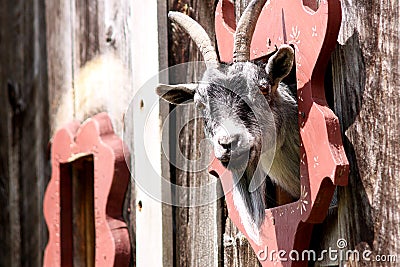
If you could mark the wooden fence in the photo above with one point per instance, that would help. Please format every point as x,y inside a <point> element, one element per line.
<point>43,44</point>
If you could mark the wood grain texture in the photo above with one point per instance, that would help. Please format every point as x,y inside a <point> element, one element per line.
<point>237,250</point>
<point>9,182</point>
<point>59,58</point>
<point>167,214</point>
<point>198,236</point>
<point>153,217</point>
<point>366,98</point>
<point>24,133</point>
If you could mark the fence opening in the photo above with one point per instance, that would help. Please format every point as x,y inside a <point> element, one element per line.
<point>77,212</point>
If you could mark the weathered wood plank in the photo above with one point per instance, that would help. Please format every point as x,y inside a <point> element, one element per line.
<point>167,214</point>
<point>366,84</point>
<point>198,237</point>
<point>59,60</point>
<point>24,132</point>
<point>88,31</point>
<point>35,166</point>
<point>153,218</point>
<point>237,250</point>
<point>10,184</point>
<point>9,215</point>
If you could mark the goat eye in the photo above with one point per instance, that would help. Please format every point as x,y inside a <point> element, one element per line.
<point>200,105</point>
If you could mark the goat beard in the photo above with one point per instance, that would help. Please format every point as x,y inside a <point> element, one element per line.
<point>250,183</point>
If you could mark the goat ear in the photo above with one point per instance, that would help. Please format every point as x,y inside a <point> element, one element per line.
<point>176,94</point>
<point>279,65</point>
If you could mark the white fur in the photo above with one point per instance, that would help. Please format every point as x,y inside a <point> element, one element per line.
<point>279,174</point>
<point>247,220</point>
<point>102,84</point>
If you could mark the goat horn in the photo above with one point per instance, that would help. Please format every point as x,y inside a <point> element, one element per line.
<point>245,29</point>
<point>198,35</point>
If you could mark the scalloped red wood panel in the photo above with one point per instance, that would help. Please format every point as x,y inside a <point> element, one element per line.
<point>94,138</point>
<point>323,160</point>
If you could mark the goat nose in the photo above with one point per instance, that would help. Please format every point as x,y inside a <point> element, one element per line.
<point>229,142</point>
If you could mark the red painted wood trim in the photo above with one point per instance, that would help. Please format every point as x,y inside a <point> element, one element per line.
<point>323,160</point>
<point>111,176</point>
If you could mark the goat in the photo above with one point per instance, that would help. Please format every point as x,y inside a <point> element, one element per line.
<point>249,114</point>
